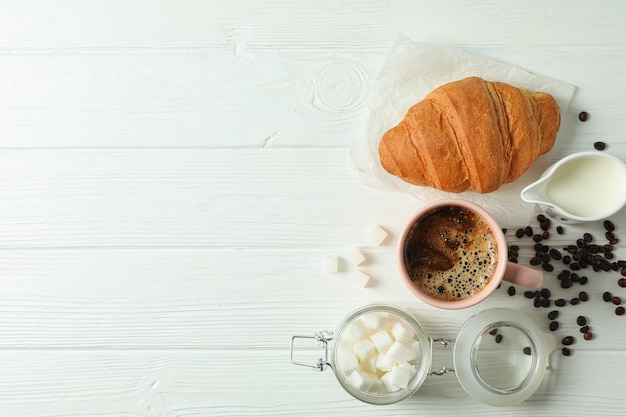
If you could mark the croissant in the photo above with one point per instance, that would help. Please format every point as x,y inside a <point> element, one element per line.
<point>471,134</point>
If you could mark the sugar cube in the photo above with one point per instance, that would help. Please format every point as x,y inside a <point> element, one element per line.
<point>361,279</point>
<point>369,363</point>
<point>360,380</point>
<point>416,349</point>
<point>356,256</point>
<point>384,362</point>
<point>331,263</point>
<point>348,361</point>
<point>398,352</point>
<point>386,380</point>
<point>381,340</point>
<point>377,320</point>
<point>376,235</point>
<point>402,333</point>
<point>399,377</point>
<point>356,330</point>
<point>363,348</point>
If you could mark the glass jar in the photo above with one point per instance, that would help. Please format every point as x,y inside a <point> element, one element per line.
<point>380,354</point>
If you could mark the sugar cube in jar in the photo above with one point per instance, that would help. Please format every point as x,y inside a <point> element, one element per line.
<point>380,354</point>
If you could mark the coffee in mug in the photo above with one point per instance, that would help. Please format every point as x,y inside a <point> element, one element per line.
<point>453,254</point>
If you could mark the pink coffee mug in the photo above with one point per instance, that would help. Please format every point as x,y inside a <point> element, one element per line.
<point>509,271</point>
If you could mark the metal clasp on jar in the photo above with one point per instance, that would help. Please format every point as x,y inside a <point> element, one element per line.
<point>323,338</point>
<point>444,369</point>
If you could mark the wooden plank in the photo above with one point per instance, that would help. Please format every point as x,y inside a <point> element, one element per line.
<point>193,383</point>
<point>354,26</point>
<point>192,99</point>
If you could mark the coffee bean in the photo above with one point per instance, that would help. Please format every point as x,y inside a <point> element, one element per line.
<point>571,249</point>
<point>493,332</point>
<point>553,314</point>
<point>547,267</point>
<point>620,311</point>
<point>499,338</point>
<point>622,282</point>
<point>575,277</point>
<point>545,224</point>
<point>564,274</point>
<point>560,302</point>
<point>568,340</point>
<point>606,296</point>
<point>609,225</point>
<point>574,301</point>
<point>567,283</point>
<point>541,218</point>
<point>527,351</point>
<point>554,325</point>
<point>567,259</point>
<point>536,260</point>
<point>583,116</point>
<point>519,233</point>
<point>529,294</point>
<point>559,230</point>
<point>537,302</point>
<point>610,236</point>
<point>584,329</point>
<point>588,237</point>
<point>545,303</point>
<point>581,320</point>
<point>566,352</point>
<point>616,300</point>
<point>546,293</point>
<point>537,238</point>
<point>583,296</point>
<point>583,281</point>
<point>621,264</point>
<point>555,254</point>
<point>528,231</point>
<point>588,336</point>
<point>599,146</point>
<point>511,291</point>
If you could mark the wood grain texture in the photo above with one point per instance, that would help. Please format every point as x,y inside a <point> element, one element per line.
<point>174,173</point>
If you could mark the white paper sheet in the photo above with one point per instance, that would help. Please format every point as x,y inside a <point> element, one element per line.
<point>411,71</point>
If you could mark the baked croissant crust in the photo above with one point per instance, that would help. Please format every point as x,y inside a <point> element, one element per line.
<point>471,134</point>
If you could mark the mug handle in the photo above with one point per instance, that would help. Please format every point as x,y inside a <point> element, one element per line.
<point>523,275</point>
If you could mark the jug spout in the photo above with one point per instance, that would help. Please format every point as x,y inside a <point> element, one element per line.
<point>536,192</point>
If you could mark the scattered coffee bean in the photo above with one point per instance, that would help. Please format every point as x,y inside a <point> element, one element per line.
<point>519,233</point>
<point>493,332</point>
<point>567,259</point>
<point>609,225</point>
<point>606,296</point>
<point>566,352</point>
<point>568,340</point>
<point>537,302</point>
<point>583,116</point>
<point>528,231</point>
<point>574,301</point>
<point>583,296</point>
<point>545,303</point>
<point>620,311</point>
<point>553,314</point>
<point>529,294</point>
<point>566,283</point>
<point>546,293</point>
<point>584,329</point>
<point>559,230</point>
<point>560,302</point>
<point>622,282</point>
<point>588,336</point>
<point>588,237</point>
<point>511,291</point>
<point>535,260</point>
<point>498,338</point>
<point>541,218</point>
<point>555,254</point>
<point>583,281</point>
<point>581,320</point>
<point>616,300</point>
<point>527,350</point>
<point>554,325</point>
<point>599,146</point>
<point>547,267</point>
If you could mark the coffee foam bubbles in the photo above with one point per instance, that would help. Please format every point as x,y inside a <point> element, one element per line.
<point>450,253</point>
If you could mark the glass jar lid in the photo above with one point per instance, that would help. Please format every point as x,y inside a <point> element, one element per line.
<point>500,356</point>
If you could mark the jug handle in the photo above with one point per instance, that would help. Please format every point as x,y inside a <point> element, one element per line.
<point>523,275</point>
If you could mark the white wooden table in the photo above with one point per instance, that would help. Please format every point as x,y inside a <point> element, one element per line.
<point>174,172</point>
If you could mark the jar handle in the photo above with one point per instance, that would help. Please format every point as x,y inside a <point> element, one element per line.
<point>323,337</point>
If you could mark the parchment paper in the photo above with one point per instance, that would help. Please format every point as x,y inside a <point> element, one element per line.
<point>411,71</point>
